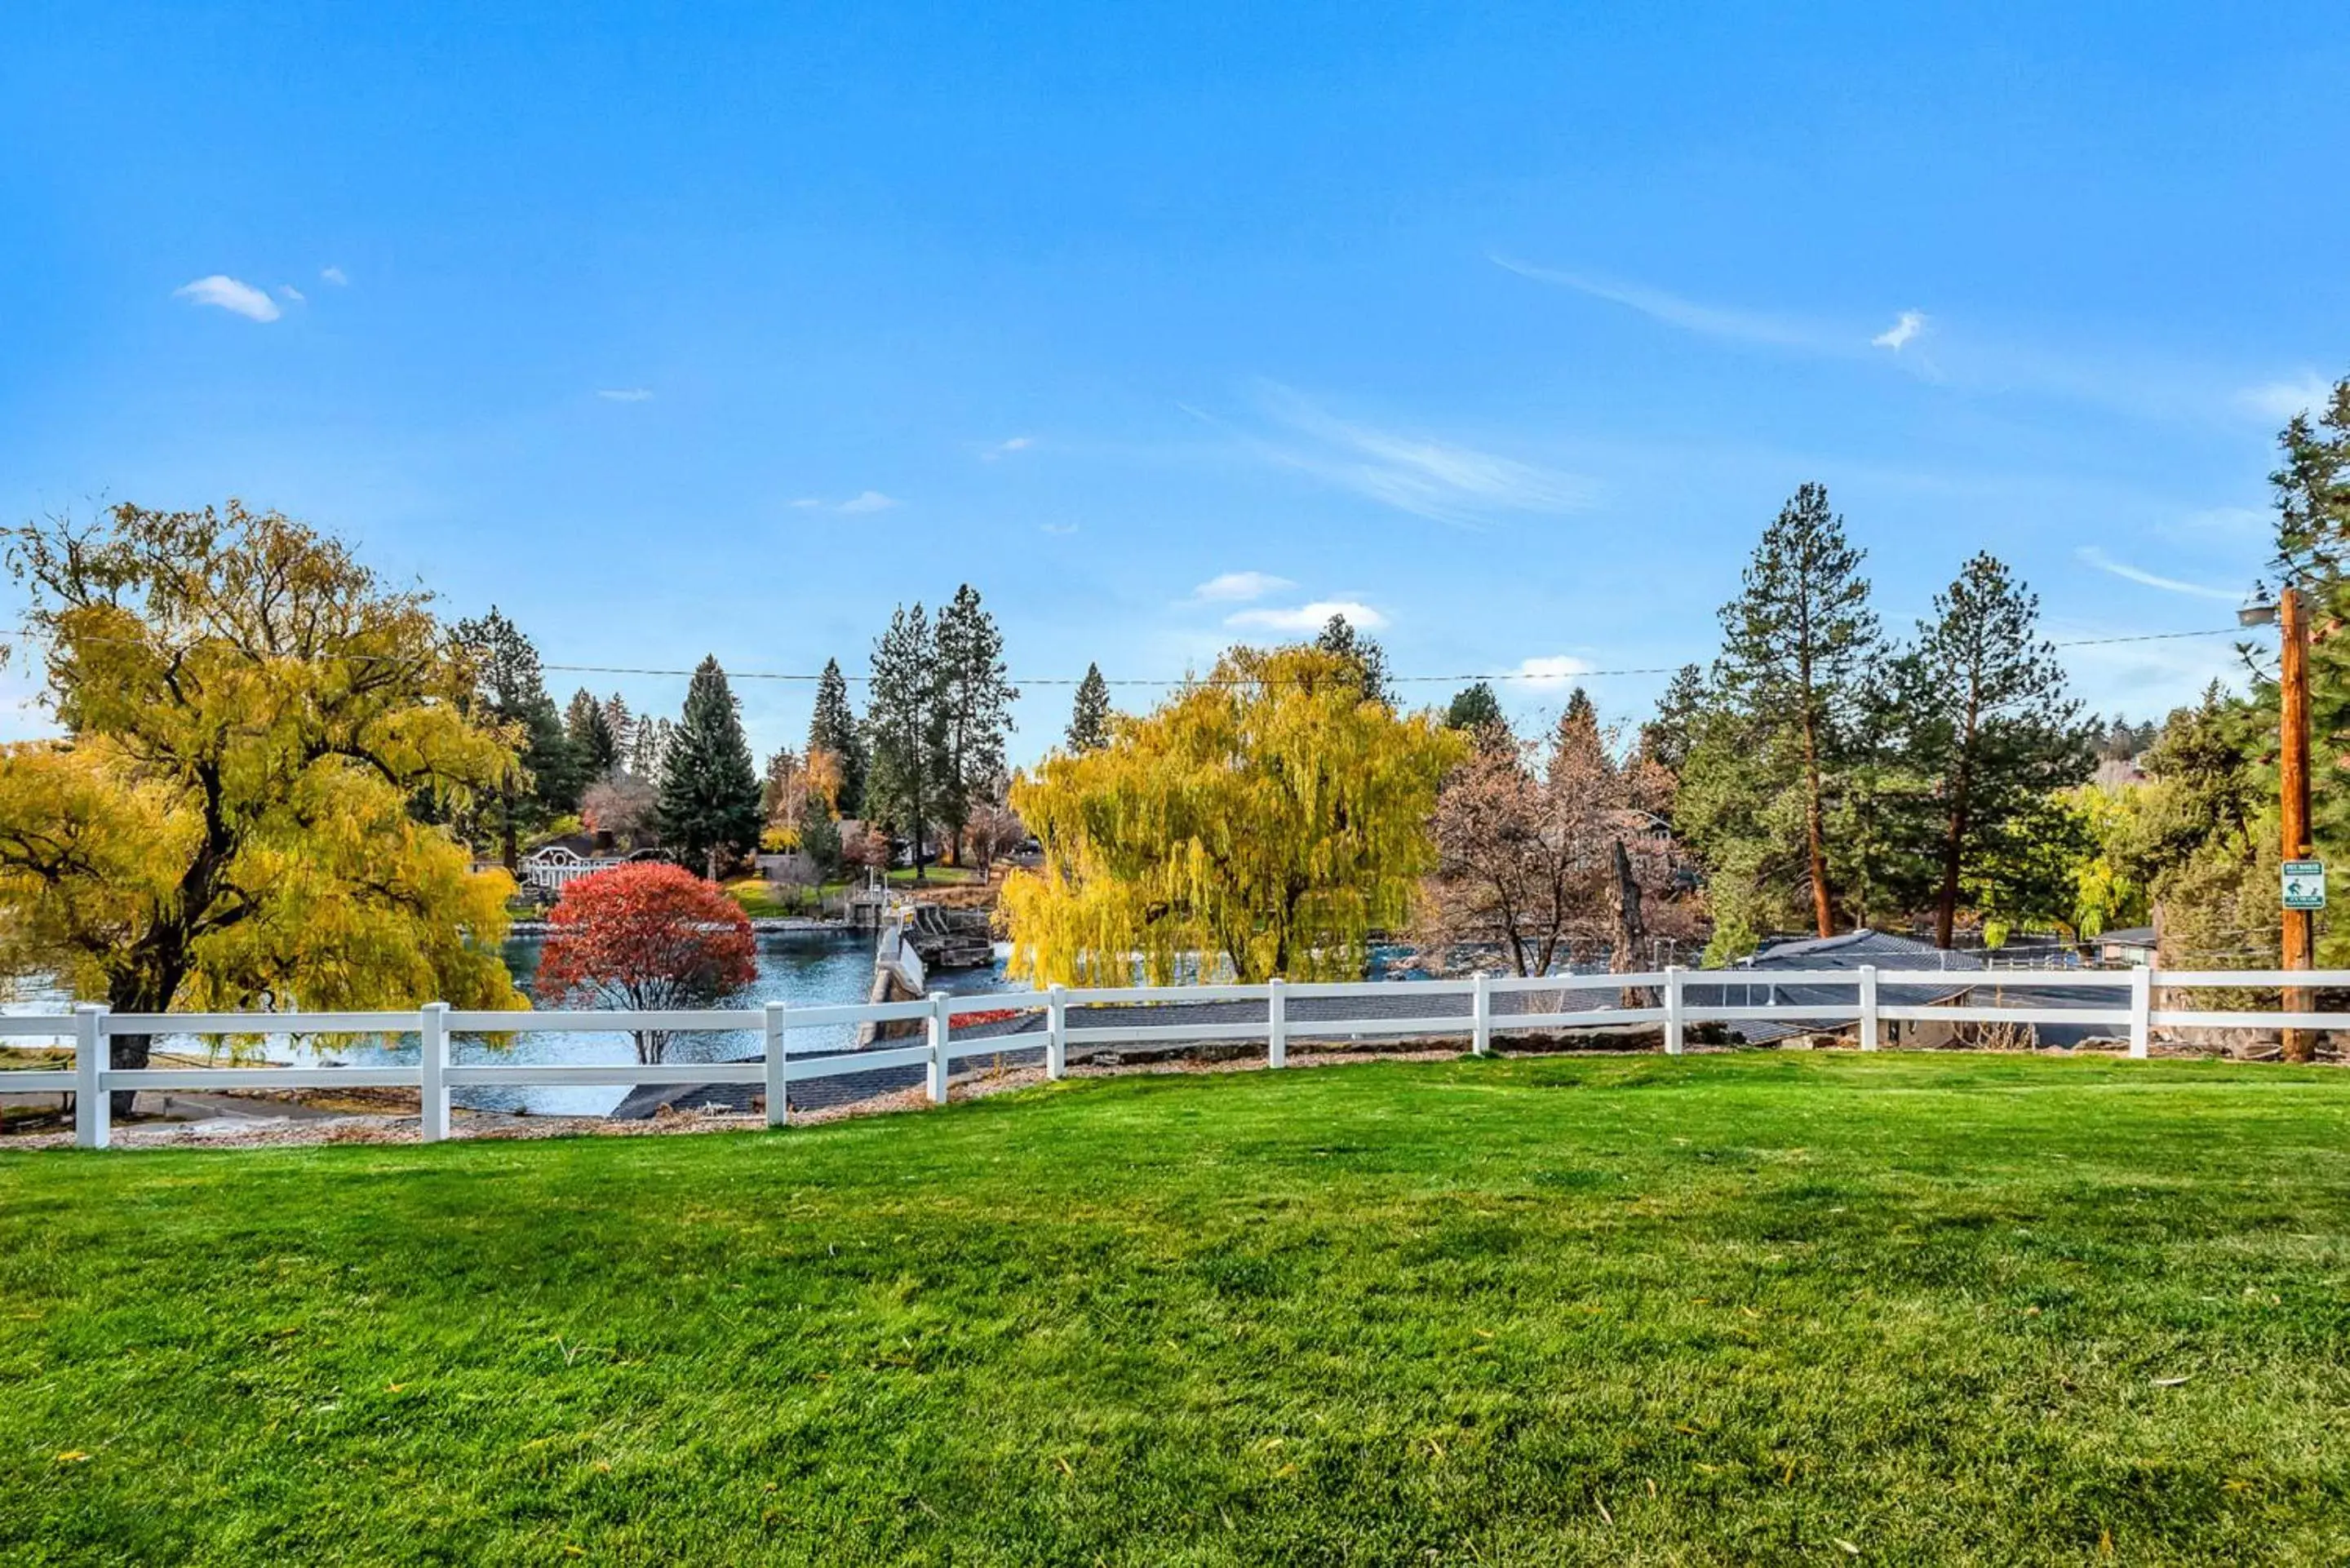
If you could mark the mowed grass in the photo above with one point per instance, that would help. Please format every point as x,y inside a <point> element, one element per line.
<point>1719,1309</point>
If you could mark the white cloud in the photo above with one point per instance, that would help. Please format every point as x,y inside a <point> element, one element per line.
<point>2104,563</point>
<point>1712,320</point>
<point>334,274</point>
<point>1552,669</point>
<point>1441,481</point>
<point>287,291</point>
<point>869,500</point>
<point>2280,400</point>
<point>1002,448</point>
<point>625,394</point>
<point>230,295</point>
<point>1309,618</point>
<point>1238,588</point>
<point>1061,530</point>
<point>1909,324</point>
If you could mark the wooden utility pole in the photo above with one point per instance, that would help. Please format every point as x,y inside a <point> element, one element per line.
<point>2293,767</point>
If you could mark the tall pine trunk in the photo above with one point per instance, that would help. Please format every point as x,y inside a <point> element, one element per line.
<point>1954,839</point>
<point>1815,816</point>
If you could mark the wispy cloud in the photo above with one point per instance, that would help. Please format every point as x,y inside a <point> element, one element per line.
<point>1445,482</point>
<point>229,295</point>
<point>1061,530</point>
<point>2280,400</point>
<point>1238,588</point>
<point>868,500</point>
<point>625,394</point>
<point>1690,315</point>
<point>287,291</point>
<point>1907,326</point>
<point>2128,573</point>
<point>1309,616</point>
<point>335,276</point>
<point>1553,669</point>
<point>1001,448</point>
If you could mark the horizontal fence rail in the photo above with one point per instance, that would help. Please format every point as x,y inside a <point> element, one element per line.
<point>1668,1000</point>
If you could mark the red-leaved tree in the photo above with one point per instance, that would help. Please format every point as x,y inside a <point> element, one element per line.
<point>645,937</point>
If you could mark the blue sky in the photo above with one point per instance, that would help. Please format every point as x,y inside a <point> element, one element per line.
<point>723,328</point>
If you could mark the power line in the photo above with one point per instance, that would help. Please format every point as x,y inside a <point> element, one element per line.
<point>1545,676</point>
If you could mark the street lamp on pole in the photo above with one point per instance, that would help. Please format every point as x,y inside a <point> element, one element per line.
<point>2300,944</point>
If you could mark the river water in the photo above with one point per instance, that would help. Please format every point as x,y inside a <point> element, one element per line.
<point>806,969</point>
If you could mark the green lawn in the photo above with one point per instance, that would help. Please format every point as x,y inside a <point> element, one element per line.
<point>1718,1310</point>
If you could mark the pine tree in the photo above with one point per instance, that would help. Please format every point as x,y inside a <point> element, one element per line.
<point>1667,739</point>
<point>904,720</point>
<point>593,745</point>
<point>1475,708</point>
<point>1990,719</point>
<point>1798,647</point>
<point>833,729</point>
<point>623,725</point>
<point>649,748</point>
<point>709,789</point>
<point>1089,719</point>
<point>974,703</point>
<point>1367,657</point>
<point>546,781</point>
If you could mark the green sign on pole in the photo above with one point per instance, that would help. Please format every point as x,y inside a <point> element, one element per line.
<point>2304,884</point>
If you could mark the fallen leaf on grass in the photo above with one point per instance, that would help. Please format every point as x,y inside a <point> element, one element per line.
<point>1064,1464</point>
<point>2170,1382</point>
<point>1850,1550</point>
<point>1602,1507</point>
<point>72,1457</point>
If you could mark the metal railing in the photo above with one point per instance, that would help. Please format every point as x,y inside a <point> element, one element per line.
<point>93,1079</point>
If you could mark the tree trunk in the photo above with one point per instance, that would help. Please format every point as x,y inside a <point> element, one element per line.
<point>1629,931</point>
<point>1815,826</point>
<point>1946,907</point>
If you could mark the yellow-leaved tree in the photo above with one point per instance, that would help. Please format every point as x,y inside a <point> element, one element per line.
<point>258,735</point>
<point>1270,817</point>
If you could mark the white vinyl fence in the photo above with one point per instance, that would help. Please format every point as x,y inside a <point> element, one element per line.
<point>2129,1015</point>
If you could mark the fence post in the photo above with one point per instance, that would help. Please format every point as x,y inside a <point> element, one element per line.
<point>2141,1023</point>
<point>93,1115</point>
<point>939,1025</point>
<point>779,1093</point>
<point>1868,1019</point>
<point>1276,1023</point>
<point>1481,1013</point>
<point>433,1085</point>
<point>1673,972</point>
<point>1057,1030</point>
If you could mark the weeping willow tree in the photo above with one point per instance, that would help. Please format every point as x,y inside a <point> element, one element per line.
<point>1269,816</point>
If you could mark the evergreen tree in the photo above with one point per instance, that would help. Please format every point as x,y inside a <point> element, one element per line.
<point>974,701</point>
<point>819,837</point>
<point>1989,718</point>
<point>648,749</point>
<point>2313,499</point>
<point>623,725</point>
<point>904,720</point>
<point>710,809</point>
<point>1665,740</point>
<point>1474,708</point>
<point>1089,719</point>
<point>833,729</point>
<point>509,689</point>
<point>1367,657</point>
<point>1798,647</point>
<point>593,745</point>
